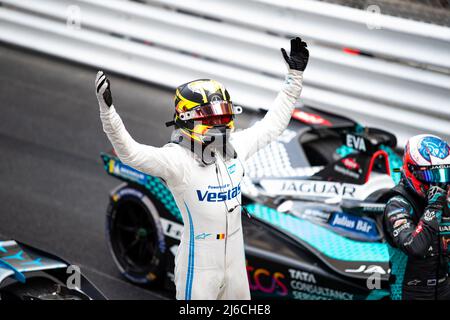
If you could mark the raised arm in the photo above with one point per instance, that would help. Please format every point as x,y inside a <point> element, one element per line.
<point>249,141</point>
<point>160,162</point>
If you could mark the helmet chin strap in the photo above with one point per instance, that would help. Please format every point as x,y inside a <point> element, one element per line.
<point>205,151</point>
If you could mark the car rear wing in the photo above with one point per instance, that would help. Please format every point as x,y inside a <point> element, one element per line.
<point>317,119</point>
<point>364,150</point>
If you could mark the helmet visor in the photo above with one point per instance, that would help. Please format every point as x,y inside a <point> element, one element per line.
<point>216,120</point>
<point>221,111</point>
<point>433,174</point>
<point>219,108</point>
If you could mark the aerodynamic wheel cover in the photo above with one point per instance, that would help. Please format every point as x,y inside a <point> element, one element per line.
<point>135,237</point>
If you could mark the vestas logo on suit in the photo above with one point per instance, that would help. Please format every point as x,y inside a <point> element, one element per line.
<point>211,196</point>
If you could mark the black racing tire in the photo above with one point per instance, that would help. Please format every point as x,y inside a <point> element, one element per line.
<point>135,236</point>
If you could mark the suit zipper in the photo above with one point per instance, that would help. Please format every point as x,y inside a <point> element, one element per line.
<point>226,227</point>
<point>226,219</point>
<point>226,239</point>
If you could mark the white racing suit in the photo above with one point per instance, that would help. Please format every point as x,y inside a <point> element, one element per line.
<point>210,261</point>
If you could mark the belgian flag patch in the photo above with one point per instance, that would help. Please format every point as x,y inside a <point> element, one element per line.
<point>220,236</point>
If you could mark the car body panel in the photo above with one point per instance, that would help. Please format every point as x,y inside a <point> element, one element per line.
<point>20,262</point>
<point>17,260</point>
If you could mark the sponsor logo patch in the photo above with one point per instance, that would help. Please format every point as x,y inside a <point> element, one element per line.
<point>396,211</point>
<point>350,163</point>
<point>202,236</point>
<point>419,228</point>
<point>172,229</point>
<point>356,142</point>
<point>119,169</point>
<point>232,169</point>
<point>398,216</point>
<point>354,225</point>
<point>367,269</point>
<point>400,229</point>
<point>212,196</point>
<point>398,223</point>
<point>428,215</point>
<point>309,118</point>
<point>309,188</point>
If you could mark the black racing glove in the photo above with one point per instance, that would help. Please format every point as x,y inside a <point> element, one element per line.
<point>444,225</point>
<point>437,199</point>
<point>446,212</point>
<point>299,55</point>
<point>103,91</point>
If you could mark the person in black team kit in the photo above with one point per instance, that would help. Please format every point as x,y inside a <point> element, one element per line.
<point>417,222</point>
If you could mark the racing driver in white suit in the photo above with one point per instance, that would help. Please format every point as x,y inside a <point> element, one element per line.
<point>202,167</point>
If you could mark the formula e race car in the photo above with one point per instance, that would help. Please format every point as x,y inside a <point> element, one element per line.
<point>27,273</point>
<point>315,198</point>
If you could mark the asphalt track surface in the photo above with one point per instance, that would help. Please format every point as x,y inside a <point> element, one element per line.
<point>53,189</point>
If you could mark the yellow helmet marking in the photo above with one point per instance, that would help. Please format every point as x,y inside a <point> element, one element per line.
<point>184,102</point>
<point>192,135</point>
<point>198,86</point>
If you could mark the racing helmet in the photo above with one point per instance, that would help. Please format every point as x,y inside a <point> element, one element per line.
<point>426,162</point>
<point>203,110</point>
